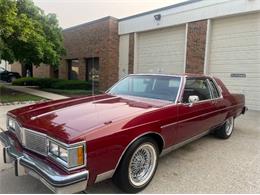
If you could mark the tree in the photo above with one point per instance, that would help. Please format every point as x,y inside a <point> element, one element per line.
<point>28,35</point>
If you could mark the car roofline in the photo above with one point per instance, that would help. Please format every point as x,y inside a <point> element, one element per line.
<point>173,75</point>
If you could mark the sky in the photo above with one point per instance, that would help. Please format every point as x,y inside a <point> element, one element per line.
<point>74,12</point>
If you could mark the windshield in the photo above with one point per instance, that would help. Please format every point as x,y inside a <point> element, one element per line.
<point>148,86</point>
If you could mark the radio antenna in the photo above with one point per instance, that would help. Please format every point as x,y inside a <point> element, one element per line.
<point>92,76</point>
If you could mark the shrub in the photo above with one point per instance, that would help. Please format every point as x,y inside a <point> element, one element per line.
<point>26,81</point>
<point>52,83</point>
<point>71,84</point>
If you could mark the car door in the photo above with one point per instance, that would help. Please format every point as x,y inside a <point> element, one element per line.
<point>195,118</point>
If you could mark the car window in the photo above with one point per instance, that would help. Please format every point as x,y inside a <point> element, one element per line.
<point>148,86</point>
<point>215,92</point>
<point>2,69</point>
<point>198,87</point>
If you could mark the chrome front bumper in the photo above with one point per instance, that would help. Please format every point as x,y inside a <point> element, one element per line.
<point>28,165</point>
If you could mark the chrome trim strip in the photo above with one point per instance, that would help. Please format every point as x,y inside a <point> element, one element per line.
<point>54,178</point>
<point>146,133</point>
<point>218,87</point>
<point>48,139</point>
<point>179,91</point>
<point>143,74</point>
<point>105,175</point>
<point>167,125</point>
<point>176,146</point>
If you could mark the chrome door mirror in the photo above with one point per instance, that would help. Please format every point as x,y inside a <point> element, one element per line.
<point>193,99</point>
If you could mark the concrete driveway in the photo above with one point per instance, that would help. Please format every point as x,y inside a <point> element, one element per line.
<point>208,165</point>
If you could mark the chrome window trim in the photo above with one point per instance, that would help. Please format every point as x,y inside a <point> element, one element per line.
<point>202,101</point>
<point>179,91</point>
<point>166,75</point>
<point>218,88</point>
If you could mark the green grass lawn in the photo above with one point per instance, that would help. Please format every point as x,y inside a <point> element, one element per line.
<point>9,96</point>
<point>71,92</point>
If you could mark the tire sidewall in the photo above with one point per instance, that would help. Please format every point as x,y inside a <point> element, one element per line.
<point>221,131</point>
<point>233,124</point>
<point>123,176</point>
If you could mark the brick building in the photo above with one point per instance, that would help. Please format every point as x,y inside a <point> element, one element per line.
<point>91,51</point>
<point>196,36</point>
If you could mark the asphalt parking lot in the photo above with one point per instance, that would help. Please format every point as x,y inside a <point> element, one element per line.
<point>208,165</point>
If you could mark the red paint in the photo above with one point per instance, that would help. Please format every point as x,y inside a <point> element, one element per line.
<point>109,123</point>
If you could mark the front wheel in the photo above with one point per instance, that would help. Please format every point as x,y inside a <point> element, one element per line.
<point>225,131</point>
<point>138,166</point>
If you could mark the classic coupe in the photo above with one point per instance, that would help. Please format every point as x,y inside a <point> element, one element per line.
<point>73,143</point>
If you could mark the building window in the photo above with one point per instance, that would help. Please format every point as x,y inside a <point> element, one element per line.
<point>73,69</point>
<point>92,69</point>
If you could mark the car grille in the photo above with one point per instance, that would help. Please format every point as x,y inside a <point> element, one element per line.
<point>31,140</point>
<point>35,141</point>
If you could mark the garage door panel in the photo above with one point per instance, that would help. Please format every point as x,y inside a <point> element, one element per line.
<point>236,42</point>
<point>225,75</point>
<point>161,51</point>
<point>236,68</point>
<point>235,55</point>
<point>238,48</point>
<point>233,26</point>
<point>235,48</point>
<point>252,85</point>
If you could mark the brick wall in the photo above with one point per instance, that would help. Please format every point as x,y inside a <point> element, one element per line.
<point>131,53</point>
<point>42,71</point>
<point>196,43</point>
<point>94,39</point>
<point>16,67</point>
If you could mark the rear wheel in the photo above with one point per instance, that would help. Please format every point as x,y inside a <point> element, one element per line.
<point>138,166</point>
<point>225,131</point>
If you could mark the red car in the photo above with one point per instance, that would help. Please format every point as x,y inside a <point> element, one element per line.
<point>73,143</point>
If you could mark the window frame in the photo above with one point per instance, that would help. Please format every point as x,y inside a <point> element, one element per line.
<point>178,95</point>
<point>209,85</point>
<point>212,88</point>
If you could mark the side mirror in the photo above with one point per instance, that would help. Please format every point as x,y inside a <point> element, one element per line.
<point>193,99</point>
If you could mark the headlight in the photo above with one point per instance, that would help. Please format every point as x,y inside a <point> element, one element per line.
<point>11,123</point>
<point>69,156</point>
<point>54,149</point>
<point>64,154</point>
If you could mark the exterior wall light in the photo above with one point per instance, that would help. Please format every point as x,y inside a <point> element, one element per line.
<point>157,17</point>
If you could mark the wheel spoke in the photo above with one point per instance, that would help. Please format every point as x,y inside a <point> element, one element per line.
<point>142,164</point>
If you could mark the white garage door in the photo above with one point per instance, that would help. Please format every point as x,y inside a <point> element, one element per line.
<point>161,51</point>
<point>234,52</point>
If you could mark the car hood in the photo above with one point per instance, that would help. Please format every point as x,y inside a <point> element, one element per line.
<point>70,118</point>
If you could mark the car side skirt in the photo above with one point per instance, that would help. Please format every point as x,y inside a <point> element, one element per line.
<point>176,146</point>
